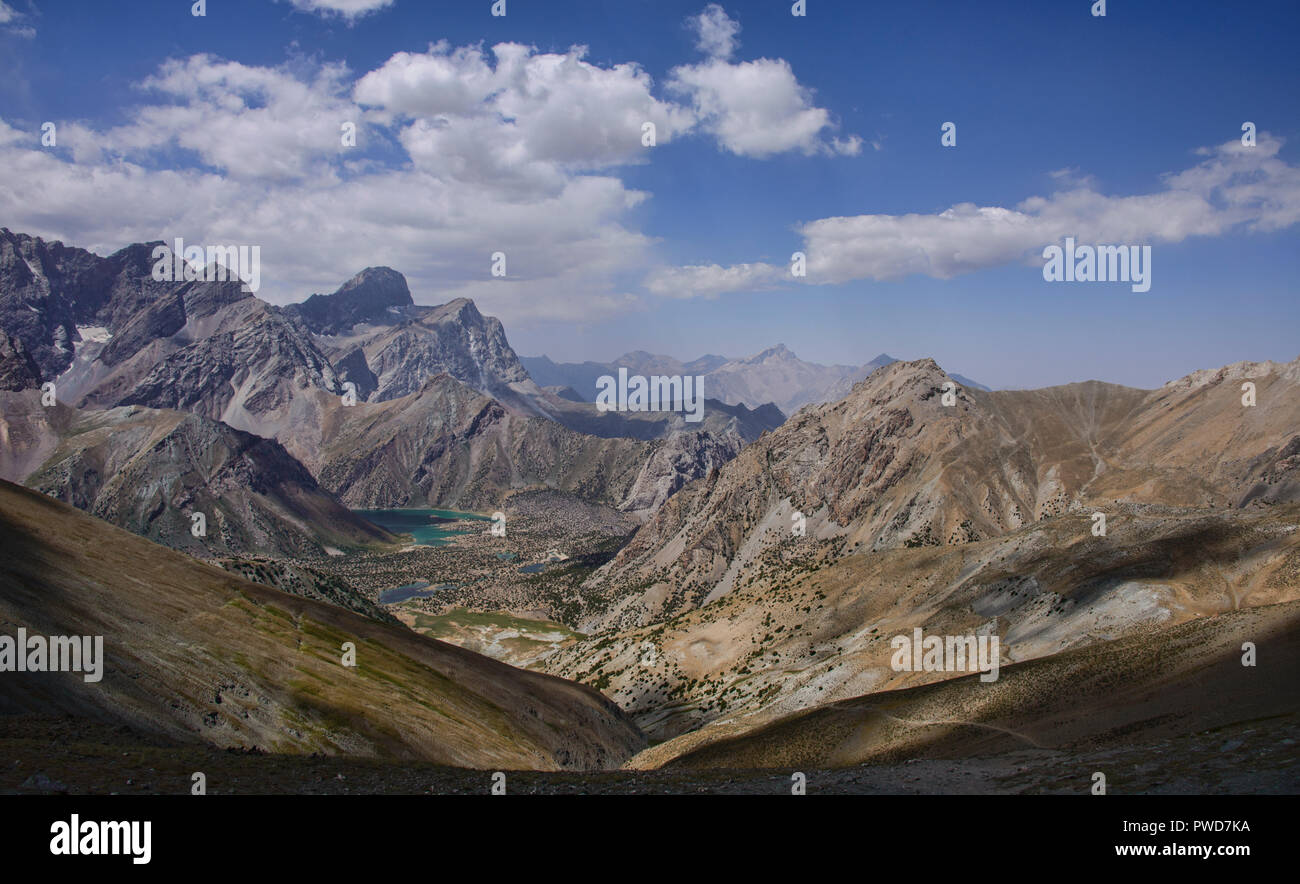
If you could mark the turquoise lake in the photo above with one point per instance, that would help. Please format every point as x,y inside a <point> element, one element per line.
<point>429,527</point>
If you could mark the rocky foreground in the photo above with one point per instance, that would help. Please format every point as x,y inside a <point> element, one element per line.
<point>61,756</point>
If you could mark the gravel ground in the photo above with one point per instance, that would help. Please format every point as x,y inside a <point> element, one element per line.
<point>49,755</point>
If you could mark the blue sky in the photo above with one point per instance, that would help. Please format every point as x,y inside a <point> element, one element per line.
<point>775,134</point>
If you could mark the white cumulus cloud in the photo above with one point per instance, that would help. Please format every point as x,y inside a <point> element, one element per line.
<point>247,122</point>
<point>460,152</point>
<point>754,108</point>
<point>711,280</point>
<point>1234,187</point>
<point>231,153</point>
<point>715,31</point>
<point>518,111</point>
<point>348,9</point>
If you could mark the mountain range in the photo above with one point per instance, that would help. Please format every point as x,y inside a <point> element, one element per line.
<point>775,375</point>
<point>462,422</point>
<point>972,517</point>
<point>1121,544</point>
<point>891,465</point>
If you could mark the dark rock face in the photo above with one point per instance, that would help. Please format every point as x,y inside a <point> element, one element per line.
<point>18,371</point>
<point>353,368</point>
<point>47,290</point>
<point>203,346</point>
<point>366,297</point>
<point>159,319</point>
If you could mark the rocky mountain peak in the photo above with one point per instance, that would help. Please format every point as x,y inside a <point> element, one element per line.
<point>378,279</point>
<point>891,380</point>
<point>780,352</point>
<point>365,297</point>
<point>461,310</point>
<point>1235,371</point>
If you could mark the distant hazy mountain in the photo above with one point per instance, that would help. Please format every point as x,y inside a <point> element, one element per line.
<point>778,375</point>
<point>582,376</point>
<point>775,375</point>
<point>967,382</point>
<point>565,392</point>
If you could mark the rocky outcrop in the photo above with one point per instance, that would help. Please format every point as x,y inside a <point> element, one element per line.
<point>50,292</point>
<point>352,368</point>
<point>375,294</point>
<point>18,371</point>
<point>680,458</point>
<point>454,339</point>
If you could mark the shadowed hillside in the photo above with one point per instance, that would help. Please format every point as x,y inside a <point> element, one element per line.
<point>1178,681</point>
<point>196,653</point>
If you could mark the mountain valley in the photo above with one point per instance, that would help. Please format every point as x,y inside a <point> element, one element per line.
<point>628,592</point>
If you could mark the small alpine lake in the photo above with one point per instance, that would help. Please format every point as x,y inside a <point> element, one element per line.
<point>428,527</point>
